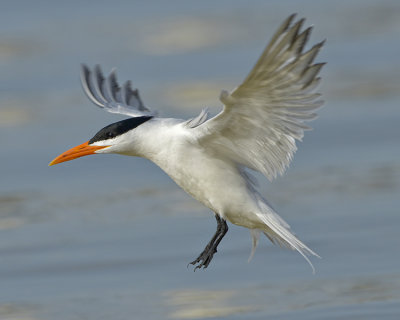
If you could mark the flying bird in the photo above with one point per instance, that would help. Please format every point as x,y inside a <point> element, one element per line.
<point>210,157</point>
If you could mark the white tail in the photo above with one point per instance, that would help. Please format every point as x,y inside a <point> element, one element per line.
<point>278,231</point>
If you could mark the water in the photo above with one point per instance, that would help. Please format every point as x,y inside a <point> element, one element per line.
<point>109,237</point>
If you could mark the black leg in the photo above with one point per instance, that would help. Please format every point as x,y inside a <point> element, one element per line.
<point>204,259</point>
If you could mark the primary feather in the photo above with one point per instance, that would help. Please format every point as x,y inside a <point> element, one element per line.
<point>107,94</point>
<point>266,114</point>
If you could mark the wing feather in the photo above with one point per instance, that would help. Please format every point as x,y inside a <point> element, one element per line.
<point>107,94</point>
<point>264,116</point>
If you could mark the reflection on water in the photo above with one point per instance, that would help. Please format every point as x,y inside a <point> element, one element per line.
<point>201,304</point>
<point>196,94</point>
<point>110,237</point>
<point>188,34</point>
<point>275,299</point>
<point>17,312</point>
<point>13,212</point>
<point>11,115</point>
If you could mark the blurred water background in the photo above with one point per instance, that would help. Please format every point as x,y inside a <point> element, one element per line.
<point>109,237</point>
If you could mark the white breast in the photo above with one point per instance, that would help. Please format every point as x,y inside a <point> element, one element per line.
<point>215,182</point>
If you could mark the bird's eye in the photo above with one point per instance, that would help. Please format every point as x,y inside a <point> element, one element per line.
<point>110,135</point>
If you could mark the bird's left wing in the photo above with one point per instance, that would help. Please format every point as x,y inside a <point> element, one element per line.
<point>265,115</point>
<point>107,94</point>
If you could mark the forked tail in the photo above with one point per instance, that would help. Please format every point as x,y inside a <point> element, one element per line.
<point>278,231</point>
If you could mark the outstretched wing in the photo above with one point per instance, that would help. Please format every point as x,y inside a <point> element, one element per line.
<point>107,94</point>
<point>265,115</point>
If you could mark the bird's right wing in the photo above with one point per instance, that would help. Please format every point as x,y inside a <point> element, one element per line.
<point>265,115</point>
<point>107,94</point>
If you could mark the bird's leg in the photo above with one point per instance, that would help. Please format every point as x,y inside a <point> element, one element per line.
<point>204,259</point>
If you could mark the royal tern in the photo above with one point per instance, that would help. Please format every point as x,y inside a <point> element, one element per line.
<point>209,158</point>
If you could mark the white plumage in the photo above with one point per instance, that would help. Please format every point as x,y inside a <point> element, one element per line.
<point>209,158</point>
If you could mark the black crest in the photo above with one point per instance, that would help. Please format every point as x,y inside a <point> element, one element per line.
<point>115,129</point>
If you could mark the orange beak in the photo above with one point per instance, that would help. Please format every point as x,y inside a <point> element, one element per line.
<point>76,152</point>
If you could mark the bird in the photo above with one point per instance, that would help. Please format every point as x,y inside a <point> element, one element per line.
<point>212,158</point>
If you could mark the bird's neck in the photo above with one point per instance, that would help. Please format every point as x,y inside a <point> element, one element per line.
<point>156,139</point>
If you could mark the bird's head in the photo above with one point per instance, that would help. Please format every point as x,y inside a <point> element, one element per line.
<point>117,137</point>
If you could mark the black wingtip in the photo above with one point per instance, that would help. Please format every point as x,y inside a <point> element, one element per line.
<point>99,79</point>
<point>286,24</point>
<point>291,17</point>
<point>84,72</point>
<point>304,36</point>
<point>113,85</point>
<point>89,87</point>
<point>84,67</point>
